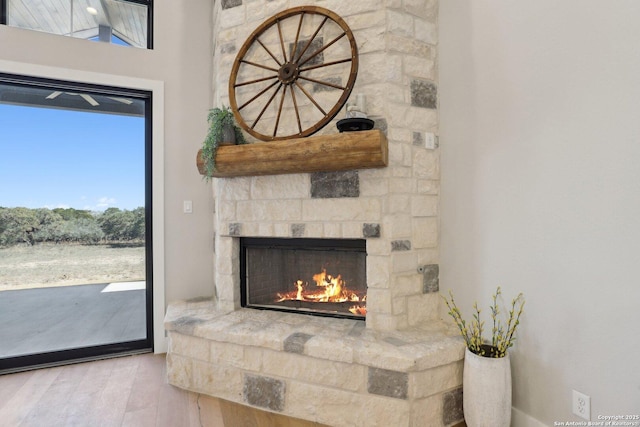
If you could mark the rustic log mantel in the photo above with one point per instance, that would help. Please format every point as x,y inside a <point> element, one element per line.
<point>322,153</point>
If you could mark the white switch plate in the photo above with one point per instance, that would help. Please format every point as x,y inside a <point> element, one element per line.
<point>187,207</point>
<point>430,140</point>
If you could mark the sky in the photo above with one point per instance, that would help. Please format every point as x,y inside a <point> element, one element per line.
<point>59,158</point>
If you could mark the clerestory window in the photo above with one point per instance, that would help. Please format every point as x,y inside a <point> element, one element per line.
<point>122,22</point>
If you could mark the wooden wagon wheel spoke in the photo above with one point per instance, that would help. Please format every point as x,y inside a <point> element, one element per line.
<point>275,128</point>
<point>326,64</point>
<point>265,107</point>
<point>311,39</point>
<point>295,40</point>
<point>250,82</point>
<point>269,52</point>
<point>258,95</point>
<point>284,52</point>
<point>320,82</point>
<point>295,107</point>
<point>319,51</point>
<point>310,98</point>
<point>255,64</point>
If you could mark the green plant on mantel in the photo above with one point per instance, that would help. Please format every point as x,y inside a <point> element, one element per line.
<point>502,335</point>
<point>222,129</point>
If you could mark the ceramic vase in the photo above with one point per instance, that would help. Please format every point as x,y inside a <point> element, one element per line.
<point>486,393</point>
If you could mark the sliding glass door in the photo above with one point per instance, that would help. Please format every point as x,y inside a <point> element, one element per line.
<point>75,222</point>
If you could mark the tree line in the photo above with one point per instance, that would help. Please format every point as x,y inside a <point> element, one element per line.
<point>23,225</point>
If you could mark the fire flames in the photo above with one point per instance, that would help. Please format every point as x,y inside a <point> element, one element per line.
<point>328,289</point>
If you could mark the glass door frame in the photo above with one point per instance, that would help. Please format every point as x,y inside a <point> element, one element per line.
<point>31,361</point>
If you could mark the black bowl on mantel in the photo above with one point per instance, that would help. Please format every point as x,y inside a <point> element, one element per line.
<point>354,124</point>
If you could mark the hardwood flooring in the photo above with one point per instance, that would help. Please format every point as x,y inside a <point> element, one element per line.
<point>125,391</point>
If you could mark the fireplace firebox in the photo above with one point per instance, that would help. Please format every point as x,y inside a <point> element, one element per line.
<point>324,277</point>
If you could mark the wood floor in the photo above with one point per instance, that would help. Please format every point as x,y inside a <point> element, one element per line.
<point>125,391</point>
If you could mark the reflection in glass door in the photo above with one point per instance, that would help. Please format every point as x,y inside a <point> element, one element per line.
<point>75,221</point>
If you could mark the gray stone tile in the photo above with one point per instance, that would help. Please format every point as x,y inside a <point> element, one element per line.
<point>430,278</point>
<point>295,342</point>
<point>452,410</point>
<point>371,230</point>
<point>297,230</point>
<point>400,245</point>
<point>388,383</point>
<point>327,185</point>
<point>264,392</point>
<point>228,4</point>
<point>235,229</point>
<point>424,94</point>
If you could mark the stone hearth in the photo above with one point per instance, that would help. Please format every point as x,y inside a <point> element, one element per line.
<point>333,371</point>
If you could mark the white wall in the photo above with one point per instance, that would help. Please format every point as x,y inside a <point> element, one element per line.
<point>540,140</point>
<point>181,59</point>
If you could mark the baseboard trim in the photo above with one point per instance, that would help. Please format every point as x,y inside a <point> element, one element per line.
<point>520,419</point>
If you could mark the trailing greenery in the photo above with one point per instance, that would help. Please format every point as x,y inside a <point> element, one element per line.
<point>502,335</point>
<point>29,226</point>
<point>219,119</point>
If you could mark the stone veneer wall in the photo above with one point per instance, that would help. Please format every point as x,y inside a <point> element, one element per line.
<point>394,208</point>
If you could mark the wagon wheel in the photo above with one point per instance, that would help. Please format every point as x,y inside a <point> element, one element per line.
<point>293,74</point>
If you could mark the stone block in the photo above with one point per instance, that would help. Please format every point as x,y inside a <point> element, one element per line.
<point>268,210</point>
<point>424,94</point>
<point>426,31</point>
<point>226,210</point>
<point>422,309</point>
<point>430,278</point>
<point>379,301</point>
<point>370,231</point>
<point>409,46</point>
<point>424,205</point>
<point>222,353</point>
<point>332,348</point>
<point>386,412</point>
<point>228,4</point>
<point>404,262</point>
<point>297,230</point>
<point>188,346</point>
<point>335,407</point>
<point>419,67</point>
<point>280,187</point>
<point>407,284</point>
<point>295,342</point>
<point>332,230</point>
<point>436,380</point>
<point>235,229</point>
<point>348,209</point>
<point>452,410</point>
<point>179,370</point>
<point>264,392</point>
<point>373,187</point>
<point>214,380</point>
<point>400,245</point>
<point>385,382</point>
<point>303,368</point>
<point>326,185</point>
<point>425,232</point>
<point>399,23</point>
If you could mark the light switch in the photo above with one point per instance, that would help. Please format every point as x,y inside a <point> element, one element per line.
<point>187,207</point>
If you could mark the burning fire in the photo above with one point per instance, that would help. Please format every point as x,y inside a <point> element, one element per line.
<point>328,289</point>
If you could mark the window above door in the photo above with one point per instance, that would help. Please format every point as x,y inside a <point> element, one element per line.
<point>122,22</point>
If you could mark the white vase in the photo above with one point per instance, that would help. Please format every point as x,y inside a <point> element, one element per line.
<point>486,391</point>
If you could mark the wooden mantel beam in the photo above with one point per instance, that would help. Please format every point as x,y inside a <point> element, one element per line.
<point>322,153</point>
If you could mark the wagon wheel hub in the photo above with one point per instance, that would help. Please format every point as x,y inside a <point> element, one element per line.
<point>288,73</point>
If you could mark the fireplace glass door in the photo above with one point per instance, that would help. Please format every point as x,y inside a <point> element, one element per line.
<point>326,277</point>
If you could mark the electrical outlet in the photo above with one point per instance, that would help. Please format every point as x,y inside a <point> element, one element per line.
<point>582,405</point>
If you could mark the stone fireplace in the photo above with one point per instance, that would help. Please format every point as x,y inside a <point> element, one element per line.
<point>390,363</point>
